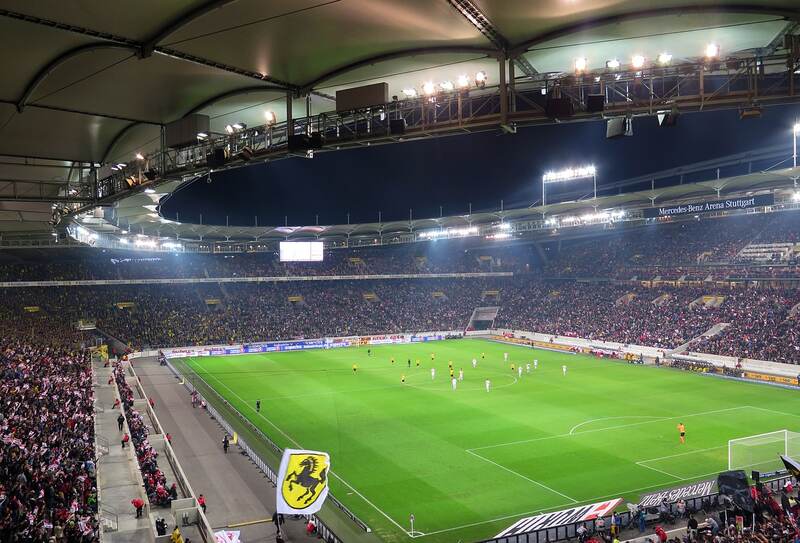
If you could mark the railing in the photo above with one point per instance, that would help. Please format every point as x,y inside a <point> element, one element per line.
<point>109,519</point>
<point>569,531</point>
<point>190,381</point>
<point>688,87</point>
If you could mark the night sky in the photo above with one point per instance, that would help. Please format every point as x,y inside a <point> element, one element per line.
<point>455,171</point>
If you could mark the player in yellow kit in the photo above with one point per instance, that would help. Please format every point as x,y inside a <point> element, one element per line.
<point>682,432</point>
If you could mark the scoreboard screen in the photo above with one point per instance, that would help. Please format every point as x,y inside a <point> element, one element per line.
<point>301,251</point>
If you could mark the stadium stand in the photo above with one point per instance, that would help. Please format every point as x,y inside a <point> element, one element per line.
<point>48,487</point>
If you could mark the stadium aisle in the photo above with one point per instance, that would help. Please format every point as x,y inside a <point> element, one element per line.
<point>235,490</point>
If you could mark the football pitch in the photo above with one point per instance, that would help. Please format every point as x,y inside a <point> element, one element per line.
<point>468,463</point>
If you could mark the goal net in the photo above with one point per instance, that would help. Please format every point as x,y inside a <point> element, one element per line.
<point>760,452</point>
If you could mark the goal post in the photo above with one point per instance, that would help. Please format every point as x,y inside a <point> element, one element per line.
<point>760,452</point>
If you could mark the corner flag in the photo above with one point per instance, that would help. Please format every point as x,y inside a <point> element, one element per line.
<point>303,478</point>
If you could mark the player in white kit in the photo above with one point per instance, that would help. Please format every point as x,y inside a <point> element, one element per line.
<point>433,373</point>
<point>527,368</point>
<point>519,372</point>
<point>505,357</point>
<point>488,384</point>
<point>564,369</point>
<point>455,383</point>
<point>461,374</point>
<point>474,362</point>
<point>535,363</point>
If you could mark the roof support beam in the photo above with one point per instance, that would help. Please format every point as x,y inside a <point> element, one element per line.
<point>140,47</point>
<point>473,14</point>
<point>395,55</point>
<point>176,24</point>
<point>236,92</point>
<point>61,59</point>
<point>522,47</point>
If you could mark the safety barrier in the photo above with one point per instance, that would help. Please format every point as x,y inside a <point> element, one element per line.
<point>569,531</point>
<point>262,465</point>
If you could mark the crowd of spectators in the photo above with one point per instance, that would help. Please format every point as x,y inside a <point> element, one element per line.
<point>155,482</point>
<point>48,486</point>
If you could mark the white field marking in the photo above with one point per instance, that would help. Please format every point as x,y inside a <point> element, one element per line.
<point>659,470</point>
<point>681,454</point>
<point>537,483</point>
<point>607,428</point>
<point>293,441</point>
<point>572,430</point>
<point>773,411</point>
<point>563,505</point>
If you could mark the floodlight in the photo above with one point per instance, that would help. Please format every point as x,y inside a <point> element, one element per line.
<point>239,126</point>
<point>612,64</point>
<point>580,64</point>
<point>229,129</point>
<point>447,86</point>
<point>796,196</point>
<point>270,117</point>
<point>712,50</point>
<point>202,135</point>
<point>568,174</point>
<point>428,87</point>
<point>139,156</point>
<point>796,128</point>
<point>480,77</point>
<point>637,61</point>
<point>463,81</point>
<point>410,93</point>
<point>664,58</point>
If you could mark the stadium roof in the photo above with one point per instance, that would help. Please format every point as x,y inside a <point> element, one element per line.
<point>88,82</point>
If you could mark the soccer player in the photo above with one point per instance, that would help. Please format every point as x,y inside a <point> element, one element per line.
<point>505,357</point>
<point>433,356</point>
<point>369,352</point>
<point>454,383</point>
<point>488,384</point>
<point>355,367</point>
<point>682,432</point>
<point>392,361</point>
<point>527,368</point>
<point>403,379</point>
<point>452,373</point>
<point>433,373</point>
<point>564,369</point>
<point>519,372</point>
<point>461,374</point>
<point>258,407</point>
<point>535,364</point>
<point>474,363</point>
<point>513,368</point>
<point>409,362</point>
<point>483,356</point>
<point>450,364</point>
<point>417,362</point>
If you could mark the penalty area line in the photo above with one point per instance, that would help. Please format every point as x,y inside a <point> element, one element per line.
<point>537,483</point>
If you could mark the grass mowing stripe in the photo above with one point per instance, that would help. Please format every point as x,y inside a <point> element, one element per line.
<point>299,446</point>
<point>421,447</point>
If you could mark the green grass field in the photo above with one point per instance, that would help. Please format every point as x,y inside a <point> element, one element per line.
<point>469,463</point>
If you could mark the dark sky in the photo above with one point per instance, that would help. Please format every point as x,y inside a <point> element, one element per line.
<point>453,172</point>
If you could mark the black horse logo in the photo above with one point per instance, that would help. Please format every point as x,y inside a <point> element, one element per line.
<point>305,478</point>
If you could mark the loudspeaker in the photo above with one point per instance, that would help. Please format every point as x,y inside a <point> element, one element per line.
<point>397,127</point>
<point>595,103</point>
<point>216,158</point>
<point>559,107</point>
<point>304,142</point>
<point>619,126</point>
<point>667,119</point>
